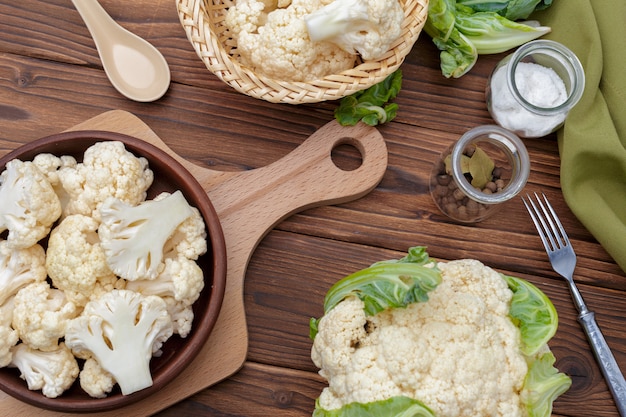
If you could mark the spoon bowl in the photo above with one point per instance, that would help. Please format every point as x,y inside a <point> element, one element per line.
<point>134,66</point>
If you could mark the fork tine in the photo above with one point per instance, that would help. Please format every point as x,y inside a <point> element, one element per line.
<point>540,224</point>
<point>548,224</point>
<point>561,234</point>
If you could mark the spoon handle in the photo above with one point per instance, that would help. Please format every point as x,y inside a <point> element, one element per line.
<point>95,17</point>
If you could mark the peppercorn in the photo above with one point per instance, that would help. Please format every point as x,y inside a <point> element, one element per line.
<point>453,201</point>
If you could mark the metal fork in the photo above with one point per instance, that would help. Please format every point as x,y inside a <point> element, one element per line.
<point>563,260</point>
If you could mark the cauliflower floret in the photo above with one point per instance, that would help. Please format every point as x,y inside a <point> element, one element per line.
<point>246,16</point>
<point>181,279</point>
<point>368,27</point>
<point>122,330</point>
<point>275,41</point>
<point>182,316</point>
<point>340,331</point>
<point>107,170</point>
<point>8,339</point>
<point>76,261</point>
<point>8,336</point>
<point>28,204</point>
<point>50,165</point>
<point>346,351</point>
<point>134,237</point>
<point>189,238</point>
<point>20,267</point>
<point>52,372</point>
<point>94,380</point>
<point>459,353</point>
<point>40,315</point>
<point>179,285</point>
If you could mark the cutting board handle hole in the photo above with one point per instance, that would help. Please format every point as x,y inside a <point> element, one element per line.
<point>346,155</point>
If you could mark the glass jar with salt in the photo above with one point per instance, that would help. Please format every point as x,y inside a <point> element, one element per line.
<point>486,167</point>
<point>531,91</point>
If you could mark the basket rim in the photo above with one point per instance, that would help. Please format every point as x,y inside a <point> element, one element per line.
<point>205,41</point>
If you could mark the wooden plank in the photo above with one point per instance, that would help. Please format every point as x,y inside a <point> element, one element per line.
<point>51,79</point>
<point>257,390</point>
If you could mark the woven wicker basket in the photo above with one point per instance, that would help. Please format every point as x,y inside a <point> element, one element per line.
<point>203,21</point>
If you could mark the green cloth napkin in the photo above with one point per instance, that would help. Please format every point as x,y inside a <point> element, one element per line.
<point>593,140</point>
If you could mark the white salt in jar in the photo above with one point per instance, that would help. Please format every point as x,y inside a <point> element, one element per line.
<point>531,91</point>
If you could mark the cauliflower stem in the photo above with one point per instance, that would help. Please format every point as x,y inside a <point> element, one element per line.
<point>121,330</point>
<point>133,237</point>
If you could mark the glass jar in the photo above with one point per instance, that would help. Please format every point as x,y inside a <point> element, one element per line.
<point>486,167</point>
<point>531,91</point>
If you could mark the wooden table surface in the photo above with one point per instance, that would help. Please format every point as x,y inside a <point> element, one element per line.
<point>51,79</point>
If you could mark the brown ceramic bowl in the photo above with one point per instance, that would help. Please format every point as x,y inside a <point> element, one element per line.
<point>169,175</point>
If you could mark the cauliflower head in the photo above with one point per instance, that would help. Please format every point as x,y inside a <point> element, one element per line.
<point>274,41</point>
<point>107,170</point>
<point>458,353</point>
<point>40,315</point>
<point>122,330</point>
<point>52,372</point>
<point>28,204</point>
<point>75,259</point>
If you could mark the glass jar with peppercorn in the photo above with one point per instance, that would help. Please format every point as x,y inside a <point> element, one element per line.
<point>486,167</point>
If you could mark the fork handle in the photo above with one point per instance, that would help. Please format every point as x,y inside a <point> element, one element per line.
<point>608,365</point>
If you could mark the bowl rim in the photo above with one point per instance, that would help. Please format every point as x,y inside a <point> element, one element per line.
<point>203,324</point>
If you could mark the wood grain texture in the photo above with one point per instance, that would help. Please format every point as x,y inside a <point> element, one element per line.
<point>51,79</point>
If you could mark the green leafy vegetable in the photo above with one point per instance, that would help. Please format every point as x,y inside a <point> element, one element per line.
<point>387,284</point>
<point>371,106</point>
<point>392,407</point>
<point>458,55</point>
<point>533,313</point>
<point>543,384</point>
<point>511,9</point>
<point>462,30</point>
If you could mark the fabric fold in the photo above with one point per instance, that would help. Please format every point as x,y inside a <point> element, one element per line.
<point>592,143</point>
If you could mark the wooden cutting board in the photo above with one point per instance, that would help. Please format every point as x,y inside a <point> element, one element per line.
<point>249,204</point>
